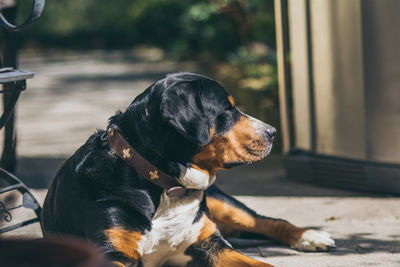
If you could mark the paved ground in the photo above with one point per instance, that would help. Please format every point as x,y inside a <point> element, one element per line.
<point>74,93</point>
<point>366,229</point>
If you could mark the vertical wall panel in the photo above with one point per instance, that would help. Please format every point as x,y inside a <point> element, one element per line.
<point>355,55</point>
<point>338,77</point>
<point>299,70</point>
<point>381,40</point>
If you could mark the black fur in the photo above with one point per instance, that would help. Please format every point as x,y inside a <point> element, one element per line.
<point>205,253</point>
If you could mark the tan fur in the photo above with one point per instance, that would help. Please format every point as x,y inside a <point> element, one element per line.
<point>278,230</point>
<point>231,147</point>
<point>124,241</point>
<point>232,258</point>
<point>231,100</point>
<point>230,219</point>
<point>209,228</point>
<point>227,215</point>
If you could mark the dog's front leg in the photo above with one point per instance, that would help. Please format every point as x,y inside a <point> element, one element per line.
<point>123,247</point>
<point>212,250</point>
<point>232,217</point>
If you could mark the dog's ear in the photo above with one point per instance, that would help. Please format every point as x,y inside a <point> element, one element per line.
<point>181,107</point>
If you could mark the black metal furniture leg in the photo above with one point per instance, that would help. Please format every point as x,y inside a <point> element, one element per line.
<point>9,55</point>
<point>28,202</point>
<point>13,81</point>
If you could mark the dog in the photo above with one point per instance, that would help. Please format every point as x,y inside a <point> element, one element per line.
<point>143,190</point>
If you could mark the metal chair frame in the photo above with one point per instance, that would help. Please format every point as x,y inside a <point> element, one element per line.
<point>14,82</point>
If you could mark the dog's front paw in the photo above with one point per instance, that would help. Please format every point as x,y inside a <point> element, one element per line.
<point>314,240</point>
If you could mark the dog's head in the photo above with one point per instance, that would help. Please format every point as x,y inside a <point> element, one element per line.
<point>192,120</point>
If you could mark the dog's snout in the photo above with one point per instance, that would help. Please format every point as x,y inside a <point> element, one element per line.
<point>271,132</point>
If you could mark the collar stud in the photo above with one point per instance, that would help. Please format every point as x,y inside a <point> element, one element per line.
<point>154,174</point>
<point>126,153</point>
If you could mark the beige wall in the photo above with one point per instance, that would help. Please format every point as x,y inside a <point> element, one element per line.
<point>298,52</point>
<point>356,77</point>
<point>338,77</point>
<point>381,32</point>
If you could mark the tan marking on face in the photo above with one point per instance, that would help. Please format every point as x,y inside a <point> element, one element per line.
<point>209,228</point>
<point>240,144</point>
<point>229,258</point>
<point>233,219</point>
<point>231,100</point>
<point>124,241</point>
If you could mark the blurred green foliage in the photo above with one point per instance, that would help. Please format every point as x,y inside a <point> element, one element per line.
<point>258,65</point>
<point>183,28</point>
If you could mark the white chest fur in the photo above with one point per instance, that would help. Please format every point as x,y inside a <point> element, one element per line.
<point>173,230</point>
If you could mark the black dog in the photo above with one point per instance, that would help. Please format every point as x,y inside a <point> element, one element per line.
<point>142,190</point>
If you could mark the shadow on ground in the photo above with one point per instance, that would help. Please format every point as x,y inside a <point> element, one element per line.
<point>353,244</point>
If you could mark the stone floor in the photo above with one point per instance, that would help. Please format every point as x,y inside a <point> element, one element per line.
<point>74,93</point>
<point>366,229</point>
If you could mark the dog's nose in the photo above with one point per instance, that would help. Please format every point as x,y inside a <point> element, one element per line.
<point>271,132</point>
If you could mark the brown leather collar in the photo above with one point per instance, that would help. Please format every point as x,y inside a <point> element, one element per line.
<point>144,168</point>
